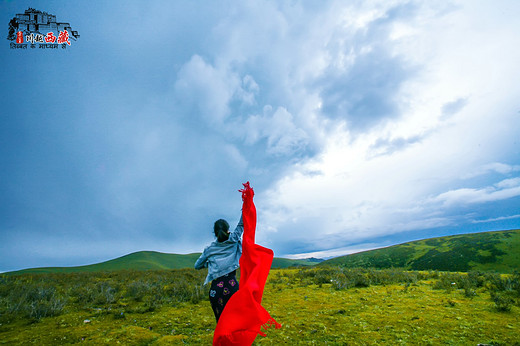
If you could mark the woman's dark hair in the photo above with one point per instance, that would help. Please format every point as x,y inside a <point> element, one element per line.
<point>221,229</point>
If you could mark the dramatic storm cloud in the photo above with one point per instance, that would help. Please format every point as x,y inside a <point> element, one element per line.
<point>359,124</point>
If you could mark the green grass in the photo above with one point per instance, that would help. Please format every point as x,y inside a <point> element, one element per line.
<point>318,305</point>
<point>498,251</point>
<point>388,315</point>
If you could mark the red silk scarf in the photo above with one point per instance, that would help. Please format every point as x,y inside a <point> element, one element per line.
<point>244,317</point>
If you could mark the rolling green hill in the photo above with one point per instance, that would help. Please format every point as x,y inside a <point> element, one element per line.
<point>488,251</point>
<point>148,260</point>
<point>286,262</point>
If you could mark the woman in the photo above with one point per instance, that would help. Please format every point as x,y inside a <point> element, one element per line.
<point>222,260</point>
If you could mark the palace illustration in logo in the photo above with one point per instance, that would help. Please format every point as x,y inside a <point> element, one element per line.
<point>35,26</point>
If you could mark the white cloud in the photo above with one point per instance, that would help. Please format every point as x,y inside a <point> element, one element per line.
<point>247,92</point>
<point>381,180</point>
<point>283,137</point>
<point>501,218</point>
<point>504,189</point>
<point>205,89</point>
<point>508,183</point>
<point>338,252</point>
<point>497,167</point>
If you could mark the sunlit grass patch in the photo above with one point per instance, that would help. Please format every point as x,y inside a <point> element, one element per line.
<point>381,314</point>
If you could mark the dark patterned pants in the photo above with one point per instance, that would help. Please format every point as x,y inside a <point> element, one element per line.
<point>221,290</point>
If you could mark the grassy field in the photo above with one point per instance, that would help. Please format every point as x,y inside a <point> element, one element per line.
<point>320,305</point>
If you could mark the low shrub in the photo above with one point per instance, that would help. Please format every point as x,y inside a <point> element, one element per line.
<point>503,302</point>
<point>449,281</point>
<point>138,289</point>
<point>31,301</point>
<point>35,296</point>
<point>469,292</point>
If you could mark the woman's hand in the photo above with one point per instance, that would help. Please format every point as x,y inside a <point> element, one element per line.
<point>247,191</point>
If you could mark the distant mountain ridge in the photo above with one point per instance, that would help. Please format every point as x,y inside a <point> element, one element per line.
<point>150,260</point>
<point>486,251</point>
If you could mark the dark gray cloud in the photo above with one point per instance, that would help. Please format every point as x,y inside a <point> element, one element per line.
<point>451,108</point>
<point>384,146</point>
<point>133,138</point>
<point>364,88</point>
<point>364,95</point>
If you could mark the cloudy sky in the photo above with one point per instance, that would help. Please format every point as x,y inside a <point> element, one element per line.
<point>359,124</point>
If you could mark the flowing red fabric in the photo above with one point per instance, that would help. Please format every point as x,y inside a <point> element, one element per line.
<point>244,317</point>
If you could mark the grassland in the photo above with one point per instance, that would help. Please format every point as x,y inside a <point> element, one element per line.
<point>320,305</point>
<point>459,290</point>
<point>496,251</point>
